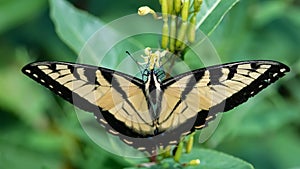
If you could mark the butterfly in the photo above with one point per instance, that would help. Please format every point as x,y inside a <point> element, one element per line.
<point>153,112</point>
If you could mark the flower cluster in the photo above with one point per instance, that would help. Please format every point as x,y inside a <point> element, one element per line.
<point>179,20</point>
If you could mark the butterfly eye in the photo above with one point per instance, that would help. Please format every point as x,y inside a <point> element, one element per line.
<point>160,74</point>
<point>145,75</point>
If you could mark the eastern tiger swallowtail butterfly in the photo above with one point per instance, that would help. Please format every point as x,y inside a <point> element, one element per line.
<point>152,113</point>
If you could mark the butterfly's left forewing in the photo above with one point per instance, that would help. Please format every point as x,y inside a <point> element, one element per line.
<point>196,97</point>
<point>116,99</point>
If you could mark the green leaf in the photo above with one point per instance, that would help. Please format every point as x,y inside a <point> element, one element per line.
<point>209,159</point>
<point>73,26</point>
<point>17,88</point>
<point>21,141</point>
<point>15,12</point>
<point>269,11</point>
<point>211,14</point>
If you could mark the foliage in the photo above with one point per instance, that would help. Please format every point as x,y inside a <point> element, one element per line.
<point>39,130</point>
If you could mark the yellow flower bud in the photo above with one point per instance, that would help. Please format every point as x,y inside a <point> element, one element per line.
<point>144,10</point>
<point>190,143</point>
<point>164,9</point>
<point>167,151</point>
<point>177,6</point>
<point>194,162</point>
<point>192,29</point>
<point>181,35</point>
<point>173,29</point>
<point>170,6</point>
<point>147,51</point>
<point>165,36</point>
<point>197,5</point>
<point>185,10</point>
<point>178,152</point>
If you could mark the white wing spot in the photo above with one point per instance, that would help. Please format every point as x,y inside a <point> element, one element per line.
<point>252,93</point>
<point>42,80</point>
<point>59,92</point>
<point>268,80</point>
<point>260,86</point>
<point>51,86</point>
<point>208,118</point>
<point>275,74</point>
<point>61,67</point>
<point>141,148</point>
<point>127,142</point>
<point>265,66</point>
<point>199,127</point>
<point>103,121</point>
<point>282,70</point>
<point>186,133</point>
<point>95,117</point>
<point>173,142</point>
<point>113,132</point>
<point>27,71</point>
<point>244,66</point>
<point>43,67</point>
<point>35,75</point>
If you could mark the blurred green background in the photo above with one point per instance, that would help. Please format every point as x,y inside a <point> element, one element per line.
<point>40,130</point>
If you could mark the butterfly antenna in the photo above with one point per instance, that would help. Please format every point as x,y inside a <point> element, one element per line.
<point>136,62</point>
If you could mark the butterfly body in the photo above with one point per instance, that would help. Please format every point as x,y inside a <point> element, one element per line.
<point>153,93</point>
<point>155,112</point>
